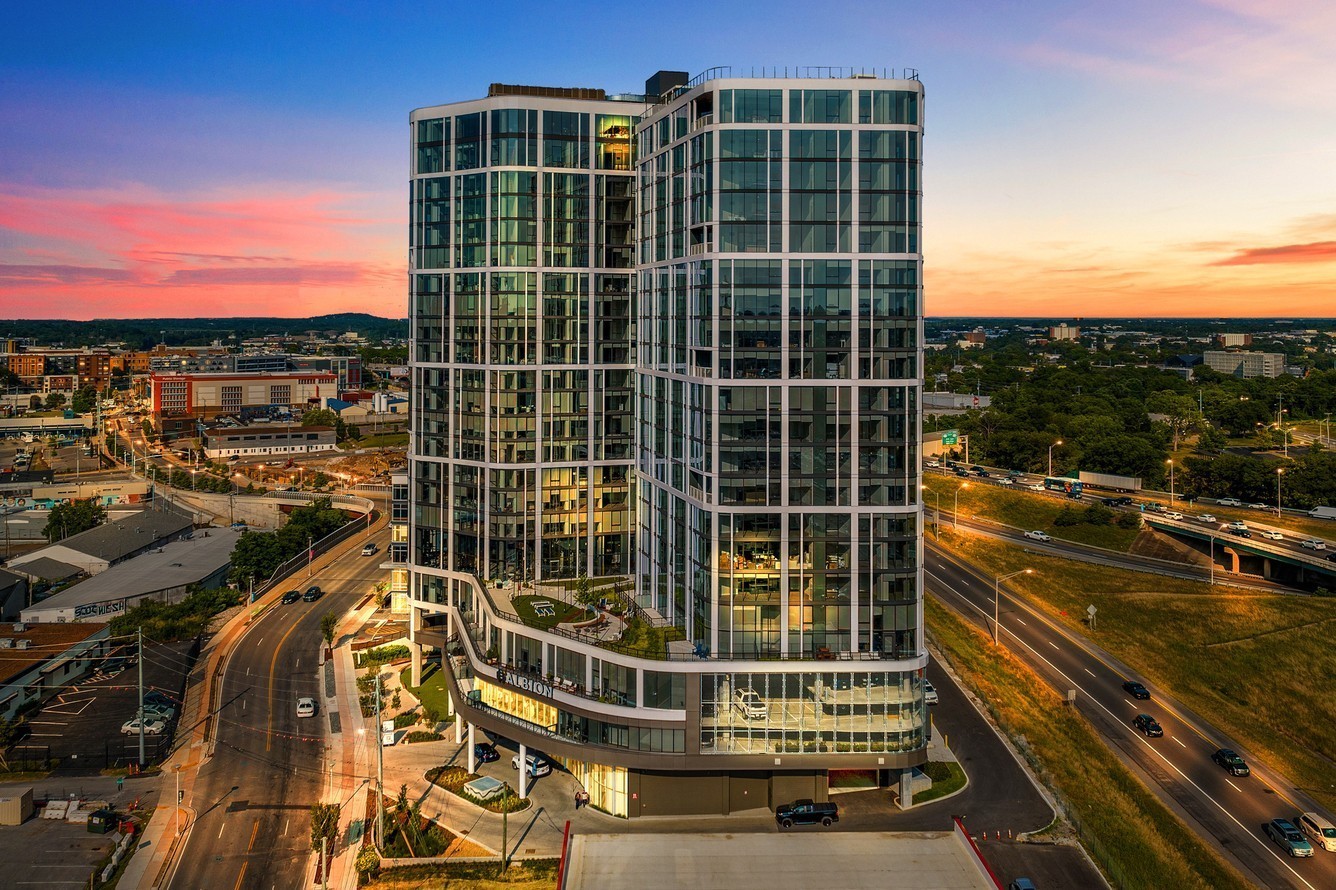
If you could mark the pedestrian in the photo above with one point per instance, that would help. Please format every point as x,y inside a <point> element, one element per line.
<point>577,800</point>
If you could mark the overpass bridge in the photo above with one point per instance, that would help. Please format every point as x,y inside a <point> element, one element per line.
<point>1273,560</point>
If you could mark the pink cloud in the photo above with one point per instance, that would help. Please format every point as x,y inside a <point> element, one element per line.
<point>133,252</point>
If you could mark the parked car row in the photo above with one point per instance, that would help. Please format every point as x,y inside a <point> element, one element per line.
<point>159,710</point>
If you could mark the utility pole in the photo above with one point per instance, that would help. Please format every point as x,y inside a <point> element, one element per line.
<point>141,697</point>
<point>324,862</point>
<point>380,773</point>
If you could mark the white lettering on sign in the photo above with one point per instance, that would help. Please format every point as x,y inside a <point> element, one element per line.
<point>525,682</point>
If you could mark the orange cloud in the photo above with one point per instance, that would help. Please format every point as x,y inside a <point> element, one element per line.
<point>1316,252</point>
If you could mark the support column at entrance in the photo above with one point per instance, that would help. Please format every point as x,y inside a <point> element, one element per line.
<point>459,728</point>
<point>473,755</point>
<point>524,771</point>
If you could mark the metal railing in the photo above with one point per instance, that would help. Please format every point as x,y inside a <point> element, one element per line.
<point>807,72</point>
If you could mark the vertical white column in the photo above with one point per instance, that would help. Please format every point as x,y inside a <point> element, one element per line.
<point>473,757</point>
<point>459,728</point>
<point>524,770</point>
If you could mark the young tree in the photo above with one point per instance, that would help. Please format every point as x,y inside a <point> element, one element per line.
<point>74,517</point>
<point>55,400</point>
<point>324,824</point>
<point>329,623</point>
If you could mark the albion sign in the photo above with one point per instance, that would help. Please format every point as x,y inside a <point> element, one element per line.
<point>525,682</point>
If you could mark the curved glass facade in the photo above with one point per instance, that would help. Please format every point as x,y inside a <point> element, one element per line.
<point>679,343</point>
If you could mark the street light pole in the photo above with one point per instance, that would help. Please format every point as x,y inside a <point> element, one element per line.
<point>955,511</point>
<point>1280,471</point>
<point>997,596</point>
<point>1050,456</point>
<point>1170,462</point>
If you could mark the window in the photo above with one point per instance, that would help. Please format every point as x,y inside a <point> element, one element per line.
<point>565,139</point>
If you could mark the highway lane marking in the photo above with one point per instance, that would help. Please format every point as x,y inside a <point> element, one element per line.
<point>254,831</point>
<point>1053,644</point>
<point>1181,745</point>
<point>241,876</point>
<point>1232,785</point>
<point>1090,672</point>
<point>1153,751</point>
<point>273,666</point>
<point>1063,631</point>
<point>221,827</point>
<point>1021,620</point>
<point>286,824</point>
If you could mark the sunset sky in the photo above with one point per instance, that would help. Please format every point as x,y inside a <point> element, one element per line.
<point>1081,158</point>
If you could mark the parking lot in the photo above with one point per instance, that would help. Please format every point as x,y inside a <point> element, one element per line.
<point>47,853</point>
<point>58,458</point>
<point>79,729</point>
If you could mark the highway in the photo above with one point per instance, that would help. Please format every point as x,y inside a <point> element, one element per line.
<point>1226,811</point>
<point>252,799</point>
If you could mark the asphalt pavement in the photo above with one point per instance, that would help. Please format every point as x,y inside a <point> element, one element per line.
<point>1226,811</point>
<point>253,796</point>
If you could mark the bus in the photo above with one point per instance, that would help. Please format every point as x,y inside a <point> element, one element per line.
<point>1071,487</point>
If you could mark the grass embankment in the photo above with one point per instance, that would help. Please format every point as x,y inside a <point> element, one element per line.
<point>1257,663</point>
<point>1136,839</point>
<point>432,693</point>
<point>530,875</point>
<point>1024,509</point>
<point>379,440</point>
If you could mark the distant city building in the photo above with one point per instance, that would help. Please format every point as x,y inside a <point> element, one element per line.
<point>257,441</point>
<point>1064,331</point>
<point>976,337</point>
<point>1228,340</point>
<point>1246,364</point>
<point>181,400</point>
<point>953,402</point>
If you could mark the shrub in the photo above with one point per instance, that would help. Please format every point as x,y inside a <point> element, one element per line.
<point>1129,520</point>
<point>384,655</point>
<point>937,771</point>
<point>420,735</point>
<point>368,862</point>
<point>1098,514</point>
<point>1067,517</point>
<point>406,719</point>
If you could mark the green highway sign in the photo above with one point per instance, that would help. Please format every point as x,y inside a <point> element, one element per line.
<point>951,437</point>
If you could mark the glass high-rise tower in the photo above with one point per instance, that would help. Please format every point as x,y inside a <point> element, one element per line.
<point>764,624</point>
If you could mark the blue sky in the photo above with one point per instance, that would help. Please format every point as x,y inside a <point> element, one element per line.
<point>1080,158</point>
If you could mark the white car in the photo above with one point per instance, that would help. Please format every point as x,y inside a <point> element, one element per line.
<point>1313,544</point>
<point>1230,502</point>
<point>369,550</point>
<point>1005,481</point>
<point>1172,514</point>
<point>749,703</point>
<point>1038,536</point>
<point>1272,535</point>
<point>151,726</point>
<point>929,693</point>
<point>1206,517</point>
<point>305,707</point>
<point>537,765</point>
<point>934,464</point>
<point>1238,525</point>
<point>1258,507</point>
<point>1035,486</point>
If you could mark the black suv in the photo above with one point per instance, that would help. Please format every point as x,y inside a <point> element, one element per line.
<point>1232,762</point>
<point>805,812</point>
<point>291,597</point>
<point>312,593</point>
<point>1146,723</point>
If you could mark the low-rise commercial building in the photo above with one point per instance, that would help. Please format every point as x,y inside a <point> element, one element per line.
<point>181,401</point>
<point>166,575</point>
<point>257,441</point>
<point>1246,364</point>
<point>98,549</point>
<point>37,661</point>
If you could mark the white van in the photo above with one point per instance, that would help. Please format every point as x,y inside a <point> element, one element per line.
<point>1321,832</point>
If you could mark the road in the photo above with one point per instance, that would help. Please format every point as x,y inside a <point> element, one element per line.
<point>1225,811</point>
<point>253,797</point>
